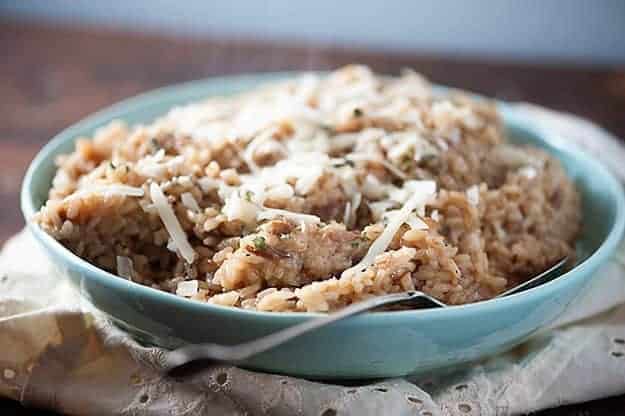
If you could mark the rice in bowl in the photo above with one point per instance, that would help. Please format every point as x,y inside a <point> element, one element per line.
<point>314,193</point>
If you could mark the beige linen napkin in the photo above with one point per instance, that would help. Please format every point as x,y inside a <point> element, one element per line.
<point>56,352</point>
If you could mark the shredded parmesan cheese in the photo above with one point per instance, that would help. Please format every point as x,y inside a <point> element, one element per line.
<point>281,191</point>
<point>154,167</point>
<point>271,213</point>
<point>188,288</point>
<point>529,172</point>
<point>171,246</point>
<point>347,213</point>
<point>248,153</point>
<point>436,216</point>
<point>189,202</point>
<point>416,223</point>
<point>172,225</point>
<point>238,208</point>
<point>389,166</point>
<point>125,267</point>
<point>208,184</point>
<point>418,199</point>
<point>106,191</point>
<point>399,145</point>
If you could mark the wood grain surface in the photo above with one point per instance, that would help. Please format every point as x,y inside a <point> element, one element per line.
<point>51,77</point>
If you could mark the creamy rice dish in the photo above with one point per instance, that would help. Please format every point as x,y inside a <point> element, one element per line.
<point>314,193</point>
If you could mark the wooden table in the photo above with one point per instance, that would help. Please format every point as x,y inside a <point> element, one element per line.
<point>52,77</point>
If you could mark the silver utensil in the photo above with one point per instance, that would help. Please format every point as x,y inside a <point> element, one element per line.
<point>176,361</point>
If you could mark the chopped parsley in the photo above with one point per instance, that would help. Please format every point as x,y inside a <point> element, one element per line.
<point>249,195</point>
<point>358,112</point>
<point>405,164</point>
<point>260,243</point>
<point>155,144</point>
<point>328,128</point>
<point>347,162</point>
<point>428,157</point>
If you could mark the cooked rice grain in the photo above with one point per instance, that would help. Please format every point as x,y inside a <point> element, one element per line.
<point>267,200</point>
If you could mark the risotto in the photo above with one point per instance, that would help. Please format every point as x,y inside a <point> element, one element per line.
<point>314,193</point>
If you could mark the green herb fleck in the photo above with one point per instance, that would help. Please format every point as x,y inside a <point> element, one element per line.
<point>260,243</point>
<point>355,243</point>
<point>155,144</point>
<point>405,165</point>
<point>328,128</point>
<point>248,196</point>
<point>358,112</point>
<point>347,162</point>
<point>428,157</point>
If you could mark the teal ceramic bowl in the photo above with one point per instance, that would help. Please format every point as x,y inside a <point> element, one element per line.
<point>379,344</point>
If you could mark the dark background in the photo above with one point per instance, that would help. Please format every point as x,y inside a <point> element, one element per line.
<point>51,77</point>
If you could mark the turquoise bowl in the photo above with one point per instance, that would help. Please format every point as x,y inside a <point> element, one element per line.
<point>380,344</point>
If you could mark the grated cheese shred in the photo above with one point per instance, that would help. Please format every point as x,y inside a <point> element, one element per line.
<point>272,213</point>
<point>188,200</point>
<point>125,267</point>
<point>106,191</point>
<point>424,191</point>
<point>389,166</point>
<point>172,225</point>
<point>188,288</point>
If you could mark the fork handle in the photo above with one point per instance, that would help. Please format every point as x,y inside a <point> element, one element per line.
<point>239,352</point>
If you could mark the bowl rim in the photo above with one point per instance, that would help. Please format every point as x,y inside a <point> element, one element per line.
<point>511,119</point>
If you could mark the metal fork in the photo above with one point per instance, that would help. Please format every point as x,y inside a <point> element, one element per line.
<point>175,362</point>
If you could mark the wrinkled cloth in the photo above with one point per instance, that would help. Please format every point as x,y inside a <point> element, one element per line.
<point>57,352</point>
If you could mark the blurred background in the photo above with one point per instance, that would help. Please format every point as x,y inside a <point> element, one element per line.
<point>578,31</point>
